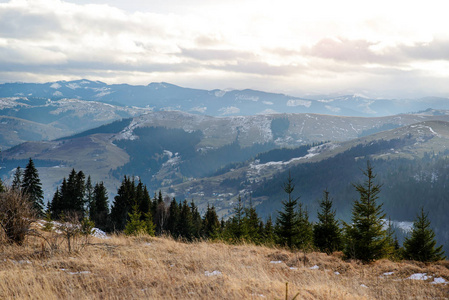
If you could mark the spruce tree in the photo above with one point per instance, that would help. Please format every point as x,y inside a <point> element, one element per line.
<point>366,239</point>
<point>135,225</point>
<point>269,236</point>
<point>252,223</point>
<point>287,222</point>
<point>17,179</point>
<point>99,210</point>
<point>185,224</point>
<point>173,218</point>
<point>304,240</point>
<point>123,203</point>
<point>420,245</point>
<point>197,222</point>
<point>237,226</point>
<point>31,186</point>
<point>327,233</point>
<point>211,225</point>
<point>88,195</point>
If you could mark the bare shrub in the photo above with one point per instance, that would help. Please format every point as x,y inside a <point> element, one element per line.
<point>16,215</point>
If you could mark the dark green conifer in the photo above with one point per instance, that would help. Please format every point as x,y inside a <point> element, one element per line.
<point>211,225</point>
<point>327,233</point>
<point>17,179</point>
<point>287,222</point>
<point>421,244</point>
<point>366,239</point>
<point>99,210</point>
<point>31,186</point>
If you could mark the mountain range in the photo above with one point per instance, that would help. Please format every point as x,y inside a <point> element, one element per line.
<point>213,156</point>
<point>164,96</point>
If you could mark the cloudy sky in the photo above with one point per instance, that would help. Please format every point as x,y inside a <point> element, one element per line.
<point>377,48</point>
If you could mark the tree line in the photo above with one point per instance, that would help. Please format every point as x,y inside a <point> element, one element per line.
<point>367,237</point>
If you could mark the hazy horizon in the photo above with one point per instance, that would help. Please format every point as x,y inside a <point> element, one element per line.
<point>382,49</point>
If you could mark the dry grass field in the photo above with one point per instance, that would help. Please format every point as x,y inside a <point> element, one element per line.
<point>160,268</point>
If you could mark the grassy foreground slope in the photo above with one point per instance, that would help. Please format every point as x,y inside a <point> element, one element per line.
<point>161,268</point>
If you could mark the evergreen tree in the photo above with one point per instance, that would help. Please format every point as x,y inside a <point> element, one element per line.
<point>197,222</point>
<point>135,225</point>
<point>122,205</point>
<point>269,236</point>
<point>237,227</point>
<point>211,225</point>
<point>89,195</point>
<point>17,179</point>
<point>367,240</point>
<point>287,222</point>
<point>327,233</point>
<point>420,245</point>
<point>55,206</point>
<point>31,186</point>
<point>304,239</point>
<point>173,218</point>
<point>252,223</point>
<point>99,210</point>
<point>185,223</point>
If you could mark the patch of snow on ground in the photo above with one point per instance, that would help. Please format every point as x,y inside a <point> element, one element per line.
<point>98,233</point>
<point>213,273</point>
<point>388,273</point>
<point>439,280</point>
<point>419,276</point>
<point>276,262</point>
<point>363,286</point>
<point>337,273</point>
<point>315,267</point>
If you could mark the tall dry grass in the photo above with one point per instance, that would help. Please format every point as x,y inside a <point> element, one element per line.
<point>161,268</point>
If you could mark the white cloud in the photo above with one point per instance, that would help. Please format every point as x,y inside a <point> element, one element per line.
<point>291,46</point>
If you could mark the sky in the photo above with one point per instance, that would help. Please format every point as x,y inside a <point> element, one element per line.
<point>376,48</point>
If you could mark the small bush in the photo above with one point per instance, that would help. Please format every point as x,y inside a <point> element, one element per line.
<point>16,215</point>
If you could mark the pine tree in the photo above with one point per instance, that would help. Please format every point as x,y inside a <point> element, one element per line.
<point>99,210</point>
<point>197,222</point>
<point>269,236</point>
<point>327,233</point>
<point>237,226</point>
<point>17,179</point>
<point>211,225</point>
<point>88,195</point>
<point>420,245</point>
<point>185,223</point>
<point>173,218</point>
<point>122,205</point>
<point>367,240</point>
<point>55,206</point>
<point>304,239</point>
<point>287,222</point>
<point>31,186</point>
<point>252,223</point>
<point>135,225</point>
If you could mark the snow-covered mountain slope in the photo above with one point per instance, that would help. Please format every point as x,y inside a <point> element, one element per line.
<point>164,96</point>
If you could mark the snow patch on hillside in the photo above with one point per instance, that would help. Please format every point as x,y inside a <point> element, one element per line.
<point>55,86</point>
<point>220,93</point>
<point>279,164</point>
<point>229,110</point>
<point>246,97</point>
<point>298,102</point>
